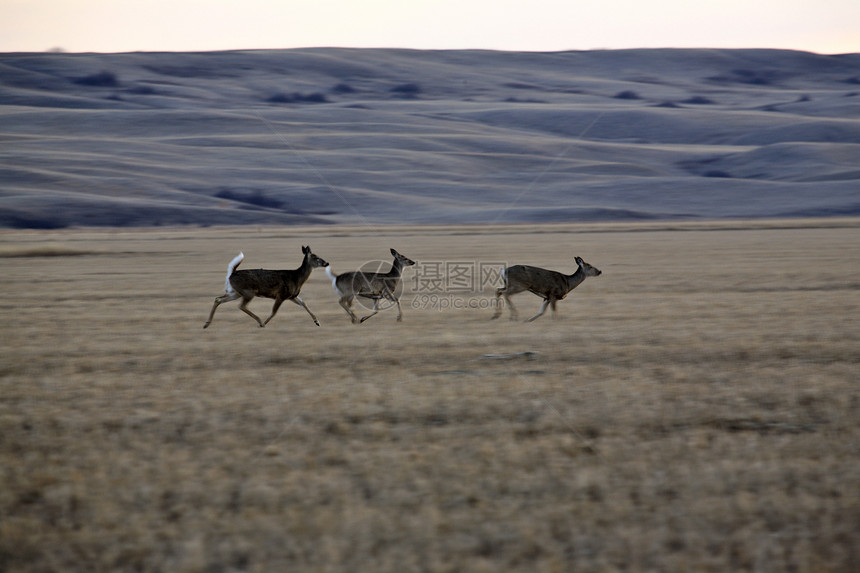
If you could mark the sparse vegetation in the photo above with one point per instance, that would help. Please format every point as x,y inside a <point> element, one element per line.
<point>522,86</point>
<point>523,100</point>
<point>627,94</point>
<point>297,97</point>
<point>694,408</point>
<point>410,90</point>
<point>102,79</point>
<point>250,196</point>
<point>698,100</point>
<point>343,88</point>
<point>33,221</point>
<point>143,89</point>
<point>756,77</point>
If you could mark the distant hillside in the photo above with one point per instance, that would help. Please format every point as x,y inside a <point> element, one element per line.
<point>352,136</point>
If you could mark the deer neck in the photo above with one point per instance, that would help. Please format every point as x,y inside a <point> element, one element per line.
<point>396,268</point>
<point>304,271</point>
<point>574,279</point>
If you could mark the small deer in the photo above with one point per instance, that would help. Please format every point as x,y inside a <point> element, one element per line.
<point>375,286</point>
<point>551,286</point>
<point>276,284</point>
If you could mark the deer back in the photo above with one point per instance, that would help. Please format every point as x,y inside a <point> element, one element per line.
<point>267,283</point>
<point>542,282</point>
<point>367,284</point>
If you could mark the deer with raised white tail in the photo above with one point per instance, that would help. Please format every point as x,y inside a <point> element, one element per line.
<point>277,284</point>
<point>551,286</point>
<point>375,286</point>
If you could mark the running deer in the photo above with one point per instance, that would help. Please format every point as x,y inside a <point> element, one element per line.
<point>375,286</point>
<point>276,284</point>
<point>551,286</point>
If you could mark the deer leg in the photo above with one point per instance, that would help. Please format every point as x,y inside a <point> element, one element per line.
<point>498,312</point>
<point>227,297</point>
<point>275,307</point>
<point>514,314</point>
<point>542,310</point>
<point>244,308</point>
<point>552,306</point>
<point>375,310</point>
<point>346,303</point>
<point>302,304</point>
<point>389,296</point>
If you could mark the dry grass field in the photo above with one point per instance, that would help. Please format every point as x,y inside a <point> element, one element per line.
<point>695,408</point>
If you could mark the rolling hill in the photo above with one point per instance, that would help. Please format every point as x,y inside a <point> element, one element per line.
<point>401,136</point>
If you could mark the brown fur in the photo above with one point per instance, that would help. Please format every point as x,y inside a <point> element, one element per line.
<point>375,286</point>
<point>551,286</point>
<point>280,285</point>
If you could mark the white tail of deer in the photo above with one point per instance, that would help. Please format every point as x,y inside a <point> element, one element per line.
<point>375,286</point>
<point>551,286</point>
<point>276,284</point>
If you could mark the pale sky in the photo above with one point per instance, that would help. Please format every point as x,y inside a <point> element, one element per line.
<point>823,26</point>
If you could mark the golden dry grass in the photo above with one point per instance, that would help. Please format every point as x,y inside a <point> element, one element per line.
<point>695,408</point>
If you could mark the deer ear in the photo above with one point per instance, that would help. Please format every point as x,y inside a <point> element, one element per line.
<point>393,252</point>
<point>306,250</point>
<point>578,260</point>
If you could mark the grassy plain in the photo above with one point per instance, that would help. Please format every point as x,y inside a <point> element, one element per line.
<point>695,408</point>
